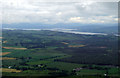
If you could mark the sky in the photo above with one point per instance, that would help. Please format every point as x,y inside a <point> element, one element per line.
<point>53,12</point>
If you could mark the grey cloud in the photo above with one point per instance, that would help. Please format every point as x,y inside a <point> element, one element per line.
<point>31,11</point>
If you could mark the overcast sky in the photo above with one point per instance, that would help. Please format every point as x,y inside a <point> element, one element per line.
<point>34,11</point>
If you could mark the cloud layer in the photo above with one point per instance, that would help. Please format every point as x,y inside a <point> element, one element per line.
<point>34,11</point>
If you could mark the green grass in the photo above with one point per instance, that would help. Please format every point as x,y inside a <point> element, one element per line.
<point>64,65</point>
<point>91,72</point>
<point>28,73</point>
<point>39,62</point>
<point>87,76</point>
<point>114,71</point>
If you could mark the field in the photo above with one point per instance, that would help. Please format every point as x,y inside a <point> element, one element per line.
<point>14,48</point>
<point>10,70</point>
<point>4,53</point>
<point>60,55</point>
<point>6,58</point>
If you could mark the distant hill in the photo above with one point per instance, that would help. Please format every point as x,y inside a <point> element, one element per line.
<point>101,28</point>
<point>109,29</point>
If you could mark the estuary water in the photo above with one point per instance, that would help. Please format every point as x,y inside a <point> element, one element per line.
<point>74,31</point>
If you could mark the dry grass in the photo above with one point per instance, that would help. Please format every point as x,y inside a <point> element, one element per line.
<point>10,70</point>
<point>76,46</point>
<point>102,47</point>
<point>7,58</point>
<point>64,43</point>
<point>1,37</point>
<point>14,48</point>
<point>5,53</point>
<point>4,41</point>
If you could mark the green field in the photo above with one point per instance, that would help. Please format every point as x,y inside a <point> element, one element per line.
<point>48,53</point>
